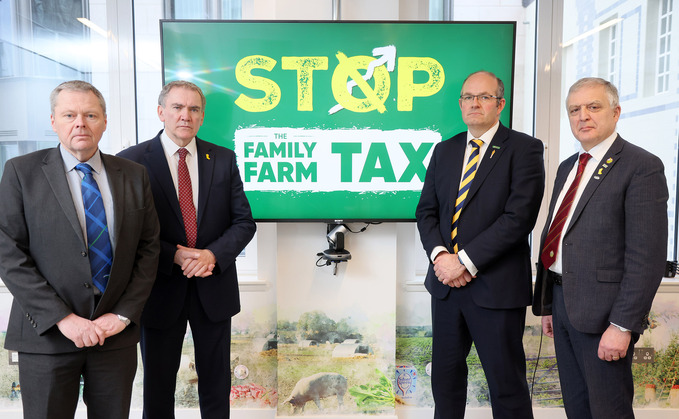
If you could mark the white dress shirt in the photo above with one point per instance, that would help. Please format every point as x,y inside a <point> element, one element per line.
<point>487,137</point>
<point>171,154</point>
<point>75,178</point>
<point>597,152</point>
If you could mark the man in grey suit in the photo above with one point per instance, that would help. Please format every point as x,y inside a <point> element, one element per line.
<point>602,256</point>
<point>79,276</point>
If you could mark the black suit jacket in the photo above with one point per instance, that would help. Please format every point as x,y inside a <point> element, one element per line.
<point>498,215</point>
<point>225,226</point>
<point>43,253</point>
<point>614,248</point>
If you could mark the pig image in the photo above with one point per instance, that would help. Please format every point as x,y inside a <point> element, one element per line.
<point>317,387</point>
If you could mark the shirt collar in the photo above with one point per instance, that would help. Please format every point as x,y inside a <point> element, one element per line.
<point>487,136</point>
<point>70,161</point>
<point>171,147</point>
<point>599,151</point>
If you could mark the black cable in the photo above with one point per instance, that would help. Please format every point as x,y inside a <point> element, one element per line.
<point>327,262</point>
<point>364,227</point>
<point>535,369</point>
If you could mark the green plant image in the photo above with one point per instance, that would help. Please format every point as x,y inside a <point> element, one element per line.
<point>373,397</point>
<point>654,381</point>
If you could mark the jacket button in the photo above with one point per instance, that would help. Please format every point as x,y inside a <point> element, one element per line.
<point>83,254</point>
<point>86,285</point>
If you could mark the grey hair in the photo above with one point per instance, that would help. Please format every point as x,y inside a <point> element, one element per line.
<point>181,84</point>
<point>76,86</point>
<point>611,90</point>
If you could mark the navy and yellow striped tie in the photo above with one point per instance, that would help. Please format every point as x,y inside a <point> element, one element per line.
<point>465,184</point>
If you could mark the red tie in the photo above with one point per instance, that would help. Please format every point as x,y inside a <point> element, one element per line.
<point>186,199</point>
<point>551,246</point>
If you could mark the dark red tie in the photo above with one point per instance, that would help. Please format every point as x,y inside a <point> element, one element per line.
<point>548,255</point>
<point>186,199</point>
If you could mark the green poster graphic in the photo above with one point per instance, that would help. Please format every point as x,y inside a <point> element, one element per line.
<point>334,120</point>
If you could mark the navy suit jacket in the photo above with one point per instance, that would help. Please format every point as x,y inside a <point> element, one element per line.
<point>43,252</point>
<point>498,215</point>
<point>225,227</point>
<point>614,248</point>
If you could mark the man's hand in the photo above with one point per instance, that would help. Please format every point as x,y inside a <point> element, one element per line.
<point>110,324</point>
<point>450,271</point>
<point>195,262</point>
<point>548,326</point>
<point>81,331</point>
<point>614,344</point>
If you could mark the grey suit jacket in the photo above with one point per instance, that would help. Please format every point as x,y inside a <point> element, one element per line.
<point>615,246</point>
<point>43,254</point>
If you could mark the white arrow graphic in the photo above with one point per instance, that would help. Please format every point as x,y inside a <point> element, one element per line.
<point>387,55</point>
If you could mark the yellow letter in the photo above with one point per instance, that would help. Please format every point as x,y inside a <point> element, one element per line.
<point>407,89</point>
<point>272,92</point>
<point>374,98</point>
<point>305,67</point>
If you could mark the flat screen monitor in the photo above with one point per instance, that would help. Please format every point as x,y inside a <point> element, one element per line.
<point>334,121</point>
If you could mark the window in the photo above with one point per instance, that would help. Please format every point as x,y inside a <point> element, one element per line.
<point>664,44</point>
<point>647,119</point>
<point>148,53</point>
<point>43,43</point>
<point>612,53</point>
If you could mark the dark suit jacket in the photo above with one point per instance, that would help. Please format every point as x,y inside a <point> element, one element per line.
<point>43,254</point>
<point>615,246</point>
<point>498,215</point>
<point>225,226</point>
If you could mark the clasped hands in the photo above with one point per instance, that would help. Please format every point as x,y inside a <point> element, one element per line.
<point>85,333</point>
<point>450,271</point>
<point>195,262</point>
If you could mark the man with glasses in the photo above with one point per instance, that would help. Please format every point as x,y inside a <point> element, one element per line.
<point>602,256</point>
<point>479,203</point>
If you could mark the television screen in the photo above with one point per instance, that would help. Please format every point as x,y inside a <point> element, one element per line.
<point>334,121</point>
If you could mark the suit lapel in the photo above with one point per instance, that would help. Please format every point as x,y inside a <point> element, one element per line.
<point>53,168</point>
<point>492,155</point>
<point>609,160</point>
<point>206,166</point>
<point>116,181</point>
<point>456,161</point>
<point>156,162</point>
<point>559,182</point>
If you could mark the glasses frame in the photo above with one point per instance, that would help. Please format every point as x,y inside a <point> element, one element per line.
<point>480,98</point>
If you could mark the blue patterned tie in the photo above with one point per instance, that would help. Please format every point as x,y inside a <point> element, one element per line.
<point>99,244</point>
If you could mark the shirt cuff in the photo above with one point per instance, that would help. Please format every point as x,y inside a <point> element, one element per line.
<point>622,329</point>
<point>436,251</point>
<point>467,262</point>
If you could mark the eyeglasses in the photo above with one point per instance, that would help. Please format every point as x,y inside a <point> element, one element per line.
<point>481,98</point>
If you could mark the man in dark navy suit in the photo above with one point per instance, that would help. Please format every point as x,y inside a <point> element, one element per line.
<point>205,223</point>
<point>479,203</point>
